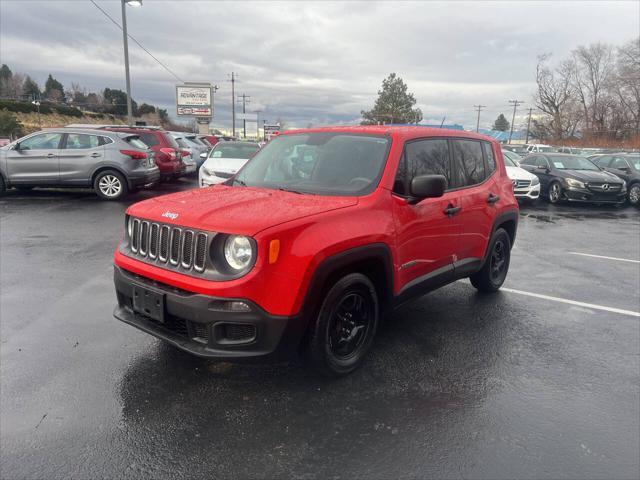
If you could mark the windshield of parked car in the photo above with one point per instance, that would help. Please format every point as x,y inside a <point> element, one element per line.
<point>566,162</point>
<point>546,149</point>
<point>181,143</point>
<point>234,150</point>
<point>511,159</point>
<point>322,163</point>
<point>634,160</point>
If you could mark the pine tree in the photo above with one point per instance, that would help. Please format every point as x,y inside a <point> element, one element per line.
<point>394,104</point>
<point>501,124</point>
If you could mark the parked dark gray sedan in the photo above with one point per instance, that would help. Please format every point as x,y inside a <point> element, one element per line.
<point>111,162</point>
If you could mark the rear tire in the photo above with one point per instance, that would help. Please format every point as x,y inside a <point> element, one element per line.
<point>3,187</point>
<point>110,185</point>
<point>343,331</point>
<point>493,273</point>
<point>24,188</point>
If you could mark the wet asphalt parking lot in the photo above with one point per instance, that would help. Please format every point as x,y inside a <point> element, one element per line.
<point>458,385</point>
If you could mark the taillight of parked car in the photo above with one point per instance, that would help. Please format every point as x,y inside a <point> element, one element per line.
<point>184,153</point>
<point>167,154</point>
<point>136,155</point>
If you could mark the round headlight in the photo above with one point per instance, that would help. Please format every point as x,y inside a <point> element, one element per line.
<point>238,252</point>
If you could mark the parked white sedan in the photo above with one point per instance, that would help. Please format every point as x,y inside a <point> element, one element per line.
<point>224,161</point>
<point>526,186</point>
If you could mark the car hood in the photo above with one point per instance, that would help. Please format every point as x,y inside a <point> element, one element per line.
<point>591,176</point>
<point>517,173</point>
<point>227,165</point>
<point>240,210</point>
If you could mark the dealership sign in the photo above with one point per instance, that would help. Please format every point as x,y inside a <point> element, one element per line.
<point>194,99</point>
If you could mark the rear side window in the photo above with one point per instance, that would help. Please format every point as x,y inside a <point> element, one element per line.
<point>491,161</point>
<point>135,141</point>
<point>422,157</point>
<point>149,139</point>
<point>469,163</point>
<point>602,161</point>
<point>81,141</point>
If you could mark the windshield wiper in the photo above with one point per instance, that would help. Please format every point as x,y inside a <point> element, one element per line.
<point>283,189</point>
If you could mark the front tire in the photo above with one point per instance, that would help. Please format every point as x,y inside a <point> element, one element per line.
<point>343,331</point>
<point>494,271</point>
<point>555,192</point>
<point>110,185</point>
<point>3,187</point>
<point>634,194</point>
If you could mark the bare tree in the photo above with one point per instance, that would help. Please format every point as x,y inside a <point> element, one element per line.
<point>627,84</point>
<point>593,74</point>
<point>555,97</point>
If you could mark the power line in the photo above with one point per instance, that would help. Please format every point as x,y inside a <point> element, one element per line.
<point>528,126</point>
<point>478,109</point>
<point>137,42</point>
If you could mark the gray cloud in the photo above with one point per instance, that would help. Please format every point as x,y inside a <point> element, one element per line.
<point>312,62</point>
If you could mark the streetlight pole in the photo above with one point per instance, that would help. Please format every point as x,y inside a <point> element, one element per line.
<point>133,3</point>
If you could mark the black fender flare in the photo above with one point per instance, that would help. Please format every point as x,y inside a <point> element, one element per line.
<point>332,265</point>
<point>501,219</point>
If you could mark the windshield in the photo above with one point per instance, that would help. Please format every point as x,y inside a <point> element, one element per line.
<point>323,163</point>
<point>234,150</point>
<point>546,149</point>
<point>510,158</point>
<point>634,160</point>
<point>571,163</point>
<point>181,143</point>
<point>172,141</point>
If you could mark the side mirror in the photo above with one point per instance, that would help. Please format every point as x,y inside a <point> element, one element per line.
<point>17,146</point>
<point>203,156</point>
<point>427,186</point>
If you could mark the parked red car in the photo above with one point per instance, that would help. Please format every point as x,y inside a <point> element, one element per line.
<point>316,236</point>
<point>168,154</point>
<point>210,140</point>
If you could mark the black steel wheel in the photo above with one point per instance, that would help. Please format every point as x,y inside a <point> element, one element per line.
<point>496,266</point>
<point>343,331</point>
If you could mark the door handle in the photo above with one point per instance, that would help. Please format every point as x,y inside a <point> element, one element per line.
<point>94,155</point>
<point>451,210</point>
<point>493,198</point>
<point>51,155</point>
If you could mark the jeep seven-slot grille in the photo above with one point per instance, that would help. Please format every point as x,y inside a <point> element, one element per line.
<point>163,244</point>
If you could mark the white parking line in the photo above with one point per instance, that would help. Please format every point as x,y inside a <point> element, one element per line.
<point>606,258</point>
<point>573,302</point>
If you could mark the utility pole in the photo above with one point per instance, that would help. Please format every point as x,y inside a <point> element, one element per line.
<point>126,63</point>
<point>233,103</point>
<point>515,104</point>
<point>258,123</point>
<point>479,109</point>
<point>528,126</point>
<point>244,110</point>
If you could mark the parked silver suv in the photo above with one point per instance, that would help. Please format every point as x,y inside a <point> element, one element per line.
<point>111,162</point>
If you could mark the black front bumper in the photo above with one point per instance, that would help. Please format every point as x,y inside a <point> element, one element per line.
<point>200,324</point>
<point>589,196</point>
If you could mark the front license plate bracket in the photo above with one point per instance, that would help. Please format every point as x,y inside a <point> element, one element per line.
<point>149,303</point>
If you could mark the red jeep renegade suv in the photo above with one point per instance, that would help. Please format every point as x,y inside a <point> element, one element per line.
<point>316,236</point>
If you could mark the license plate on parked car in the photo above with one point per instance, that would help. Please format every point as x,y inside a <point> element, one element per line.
<point>149,303</point>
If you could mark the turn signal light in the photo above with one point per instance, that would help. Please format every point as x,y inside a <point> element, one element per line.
<point>274,251</point>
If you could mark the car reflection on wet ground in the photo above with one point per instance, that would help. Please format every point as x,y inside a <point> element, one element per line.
<point>457,385</point>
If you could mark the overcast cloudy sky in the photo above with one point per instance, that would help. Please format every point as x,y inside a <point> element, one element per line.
<point>312,62</point>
